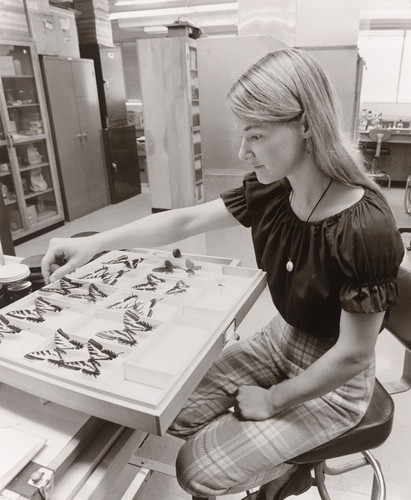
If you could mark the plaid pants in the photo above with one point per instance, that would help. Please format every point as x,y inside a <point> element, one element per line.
<point>224,454</point>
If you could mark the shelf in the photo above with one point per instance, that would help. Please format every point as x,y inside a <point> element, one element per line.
<point>3,174</point>
<point>9,202</point>
<point>3,142</point>
<point>197,128</point>
<point>23,105</point>
<point>32,167</point>
<point>26,139</point>
<point>17,77</point>
<point>38,193</point>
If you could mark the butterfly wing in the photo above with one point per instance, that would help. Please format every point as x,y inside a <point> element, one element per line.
<point>42,306</point>
<point>63,341</point>
<point>97,352</point>
<point>95,293</point>
<point>121,336</point>
<point>27,315</point>
<point>133,323</point>
<point>7,327</point>
<point>47,354</point>
<point>96,274</point>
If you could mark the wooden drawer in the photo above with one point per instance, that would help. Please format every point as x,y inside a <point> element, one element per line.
<point>134,336</point>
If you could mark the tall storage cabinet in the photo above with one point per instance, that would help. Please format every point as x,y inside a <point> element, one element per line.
<point>169,80</point>
<point>28,175</point>
<point>119,138</point>
<point>74,107</point>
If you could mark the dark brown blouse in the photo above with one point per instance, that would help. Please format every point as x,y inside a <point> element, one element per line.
<point>347,261</point>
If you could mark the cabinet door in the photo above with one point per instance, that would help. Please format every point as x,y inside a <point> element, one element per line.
<point>67,135</point>
<point>122,162</point>
<point>29,180</point>
<point>90,128</point>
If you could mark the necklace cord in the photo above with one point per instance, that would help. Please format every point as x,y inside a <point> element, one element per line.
<point>319,201</point>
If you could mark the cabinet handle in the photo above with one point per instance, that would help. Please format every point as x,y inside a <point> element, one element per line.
<point>84,135</point>
<point>114,166</point>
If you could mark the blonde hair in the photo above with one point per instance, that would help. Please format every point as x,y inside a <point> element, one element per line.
<point>284,85</point>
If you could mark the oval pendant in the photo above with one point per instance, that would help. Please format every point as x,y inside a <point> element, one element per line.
<point>289,266</point>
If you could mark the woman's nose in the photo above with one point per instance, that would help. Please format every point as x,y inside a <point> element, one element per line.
<point>244,153</point>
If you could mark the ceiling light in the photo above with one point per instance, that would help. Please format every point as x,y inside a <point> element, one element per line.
<point>176,11</point>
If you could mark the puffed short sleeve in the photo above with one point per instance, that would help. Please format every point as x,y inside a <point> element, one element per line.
<point>368,251</point>
<point>235,201</point>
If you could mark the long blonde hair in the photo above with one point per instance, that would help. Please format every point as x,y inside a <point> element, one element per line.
<point>282,86</point>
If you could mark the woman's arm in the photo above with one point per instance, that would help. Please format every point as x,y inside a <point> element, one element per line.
<point>352,354</point>
<point>66,254</point>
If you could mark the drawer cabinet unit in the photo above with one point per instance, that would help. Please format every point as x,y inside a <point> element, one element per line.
<point>129,336</point>
<point>169,81</point>
<point>28,175</point>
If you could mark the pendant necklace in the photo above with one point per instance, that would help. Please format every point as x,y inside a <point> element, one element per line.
<point>290,266</point>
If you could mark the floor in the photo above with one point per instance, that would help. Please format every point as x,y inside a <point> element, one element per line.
<point>394,455</point>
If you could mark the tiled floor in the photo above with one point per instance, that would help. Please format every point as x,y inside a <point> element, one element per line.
<point>394,455</point>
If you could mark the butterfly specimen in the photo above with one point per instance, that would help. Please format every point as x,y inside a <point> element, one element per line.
<point>169,268</point>
<point>76,290</point>
<point>63,343</point>
<point>179,287</point>
<point>132,325</point>
<point>130,302</point>
<point>37,313</point>
<point>145,308</point>
<point>151,284</point>
<point>105,275</point>
<point>7,327</point>
<point>126,261</point>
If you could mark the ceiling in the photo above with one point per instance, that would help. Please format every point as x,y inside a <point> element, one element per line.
<point>221,16</point>
<point>213,16</point>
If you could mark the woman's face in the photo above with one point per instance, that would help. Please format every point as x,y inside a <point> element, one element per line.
<point>272,150</point>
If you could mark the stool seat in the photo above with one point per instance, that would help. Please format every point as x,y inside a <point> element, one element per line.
<point>372,431</point>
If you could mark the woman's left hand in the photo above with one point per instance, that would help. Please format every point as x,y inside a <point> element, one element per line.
<point>253,403</point>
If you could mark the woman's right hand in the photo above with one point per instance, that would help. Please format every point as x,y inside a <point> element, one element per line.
<point>64,255</point>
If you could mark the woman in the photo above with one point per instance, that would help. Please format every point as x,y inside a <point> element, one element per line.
<point>327,239</point>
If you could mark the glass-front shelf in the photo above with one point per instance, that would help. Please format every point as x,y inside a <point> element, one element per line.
<point>28,182</point>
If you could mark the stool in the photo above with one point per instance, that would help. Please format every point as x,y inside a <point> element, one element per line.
<point>378,135</point>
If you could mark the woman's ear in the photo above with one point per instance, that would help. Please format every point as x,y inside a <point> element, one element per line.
<point>305,127</point>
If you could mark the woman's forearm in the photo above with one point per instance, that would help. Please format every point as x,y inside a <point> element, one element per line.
<point>327,374</point>
<point>153,230</point>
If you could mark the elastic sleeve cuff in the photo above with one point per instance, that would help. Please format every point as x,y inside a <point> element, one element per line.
<point>369,298</point>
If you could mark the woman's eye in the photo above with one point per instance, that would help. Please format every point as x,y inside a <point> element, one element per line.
<point>255,138</point>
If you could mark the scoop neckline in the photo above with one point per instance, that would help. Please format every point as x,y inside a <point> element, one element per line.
<point>333,217</point>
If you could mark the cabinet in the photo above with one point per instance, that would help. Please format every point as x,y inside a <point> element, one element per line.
<point>169,80</point>
<point>28,174</point>
<point>74,109</point>
<point>122,162</point>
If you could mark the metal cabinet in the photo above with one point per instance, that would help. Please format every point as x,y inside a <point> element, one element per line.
<point>75,115</point>
<point>122,162</point>
<point>28,176</point>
